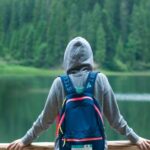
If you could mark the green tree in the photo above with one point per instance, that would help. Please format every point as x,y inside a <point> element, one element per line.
<point>100,46</point>
<point>120,50</point>
<point>118,31</point>
<point>40,55</point>
<point>120,61</point>
<point>137,46</point>
<point>73,21</point>
<point>14,45</point>
<point>27,49</point>
<point>93,25</point>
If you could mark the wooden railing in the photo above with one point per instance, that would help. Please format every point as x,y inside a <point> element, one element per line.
<point>112,145</point>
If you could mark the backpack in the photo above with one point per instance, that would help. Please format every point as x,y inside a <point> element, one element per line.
<point>80,124</point>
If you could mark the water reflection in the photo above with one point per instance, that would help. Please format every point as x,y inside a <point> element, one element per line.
<point>119,96</point>
<point>22,99</point>
<point>133,97</point>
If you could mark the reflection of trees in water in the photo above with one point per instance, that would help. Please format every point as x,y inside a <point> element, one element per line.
<point>22,99</point>
<point>11,100</point>
<point>18,106</point>
<point>136,114</point>
<point>130,84</point>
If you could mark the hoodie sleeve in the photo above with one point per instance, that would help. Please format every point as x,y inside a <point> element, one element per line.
<point>47,116</point>
<point>112,113</point>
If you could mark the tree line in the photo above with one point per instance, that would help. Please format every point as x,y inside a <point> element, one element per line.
<point>35,32</point>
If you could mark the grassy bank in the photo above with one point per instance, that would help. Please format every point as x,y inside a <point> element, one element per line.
<point>127,73</point>
<point>16,70</point>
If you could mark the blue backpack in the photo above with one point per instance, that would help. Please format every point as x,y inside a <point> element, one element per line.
<point>80,124</point>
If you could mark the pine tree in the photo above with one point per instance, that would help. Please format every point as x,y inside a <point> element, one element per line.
<point>93,25</point>
<point>60,37</point>
<point>83,24</point>
<point>14,45</point>
<point>73,21</point>
<point>126,8</point>
<point>120,62</point>
<point>118,31</point>
<point>2,53</point>
<point>136,51</point>
<point>100,46</point>
<point>40,55</point>
<point>27,49</point>
<point>15,17</point>
<point>57,33</point>
<point>109,18</point>
<point>120,50</point>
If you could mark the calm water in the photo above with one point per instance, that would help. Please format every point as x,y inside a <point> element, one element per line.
<point>22,99</point>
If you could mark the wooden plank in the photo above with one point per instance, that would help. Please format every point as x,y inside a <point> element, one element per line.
<point>121,145</point>
<point>112,145</point>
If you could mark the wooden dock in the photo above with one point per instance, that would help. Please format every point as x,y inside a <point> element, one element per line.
<point>112,145</point>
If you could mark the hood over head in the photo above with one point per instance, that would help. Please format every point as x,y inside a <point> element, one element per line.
<point>78,55</point>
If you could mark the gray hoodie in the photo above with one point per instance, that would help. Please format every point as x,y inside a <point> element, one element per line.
<point>78,61</point>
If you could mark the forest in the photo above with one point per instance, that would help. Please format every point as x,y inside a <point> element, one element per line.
<point>36,32</point>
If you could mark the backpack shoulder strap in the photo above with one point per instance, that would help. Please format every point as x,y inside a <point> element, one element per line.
<point>90,82</point>
<point>68,85</point>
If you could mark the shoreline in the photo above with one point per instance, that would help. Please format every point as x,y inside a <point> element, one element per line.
<point>18,70</point>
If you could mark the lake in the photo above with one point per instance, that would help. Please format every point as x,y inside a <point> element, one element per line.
<point>22,99</point>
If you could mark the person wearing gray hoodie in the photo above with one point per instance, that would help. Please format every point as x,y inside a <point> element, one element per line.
<point>78,62</point>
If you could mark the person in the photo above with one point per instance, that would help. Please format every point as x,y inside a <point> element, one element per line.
<point>78,62</point>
